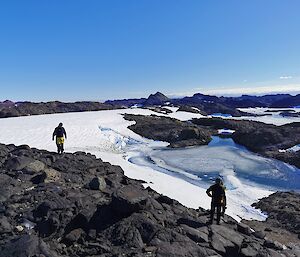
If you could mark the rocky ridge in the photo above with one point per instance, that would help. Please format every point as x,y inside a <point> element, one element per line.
<point>283,217</point>
<point>177,133</point>
<point>77,205</point>
<point>10,109</point>
<point>283,210</point>
<point>205,103</point>
<point>209,104</point>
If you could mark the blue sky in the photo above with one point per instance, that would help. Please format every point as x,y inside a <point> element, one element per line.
<point>96,50</point>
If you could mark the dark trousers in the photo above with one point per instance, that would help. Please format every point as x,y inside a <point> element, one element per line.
<point>60,148</point>
<point>212,212</point>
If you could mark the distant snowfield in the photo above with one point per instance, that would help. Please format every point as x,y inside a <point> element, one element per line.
<point>105,134</point>
<point>274,116</point>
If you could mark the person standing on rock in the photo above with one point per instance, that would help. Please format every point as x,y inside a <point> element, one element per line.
<point>218,199</point>
<point>60,134</point>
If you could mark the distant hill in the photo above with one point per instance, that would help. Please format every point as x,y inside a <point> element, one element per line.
<point>11,109</point>
<point>206,104</point>
<point>154,99</point>
<point>291,101</point>
<point>245,101</point>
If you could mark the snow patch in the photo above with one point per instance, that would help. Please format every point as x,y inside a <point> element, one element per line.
<point>225,131</point>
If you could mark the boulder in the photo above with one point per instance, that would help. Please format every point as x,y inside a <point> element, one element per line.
<point>74,236</point>
<point>248,251</point>
<point>52,175</point>
<point>27,246</point>
<point>34,167</point>
<point>225,240</point>
<point>259,234</point>
<point>195,235</point>
<point>18,163</point>
<point>39,178</point>
<point>97,183</point>
<point>127,199</point>
<point>273,244</point>
<point>243,228</point>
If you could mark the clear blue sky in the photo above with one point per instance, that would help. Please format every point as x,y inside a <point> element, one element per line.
<point>95,50</point>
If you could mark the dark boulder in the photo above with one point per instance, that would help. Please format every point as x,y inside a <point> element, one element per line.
<point>74,236</point>
<point>127,199</point>
<point>97,183</point>
<point>27,246</point>
<point>39,178</point>
<point>18,163</point>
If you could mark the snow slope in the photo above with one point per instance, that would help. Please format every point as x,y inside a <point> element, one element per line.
<point>105,134</point>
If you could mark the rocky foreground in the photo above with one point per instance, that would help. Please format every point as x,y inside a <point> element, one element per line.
<point>283,222</point>
<point>283,209</point>
<point>77,205</point>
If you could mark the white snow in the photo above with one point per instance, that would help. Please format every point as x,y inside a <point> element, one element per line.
<point>183,116</point>
<point>294,148</point>
<point>225,131</point>
<point>105,134</point>
<point>272,117</point>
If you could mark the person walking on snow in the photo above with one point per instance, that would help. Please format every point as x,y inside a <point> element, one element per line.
<point>60,133</point>
<point>218,199</point>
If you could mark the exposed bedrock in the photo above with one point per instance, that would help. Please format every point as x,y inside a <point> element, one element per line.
<point>283,209</point>
<point>177,133</point>
<point>83,206</point>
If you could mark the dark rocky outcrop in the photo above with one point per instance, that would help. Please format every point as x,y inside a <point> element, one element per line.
<point>87,207</point>
<point>208,105</point>
<point>159,109</point>
<point>283,210</point>
<point>9,109</point>
<point>290,113</point>
<point>177,133</point>
<point>283,222</point>
<point>265,139</point>
<point>186,108</point>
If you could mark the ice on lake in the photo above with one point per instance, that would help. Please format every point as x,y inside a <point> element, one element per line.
<point>222,157</point>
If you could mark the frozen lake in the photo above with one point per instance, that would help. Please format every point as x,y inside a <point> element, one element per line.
<point>222,157</point>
